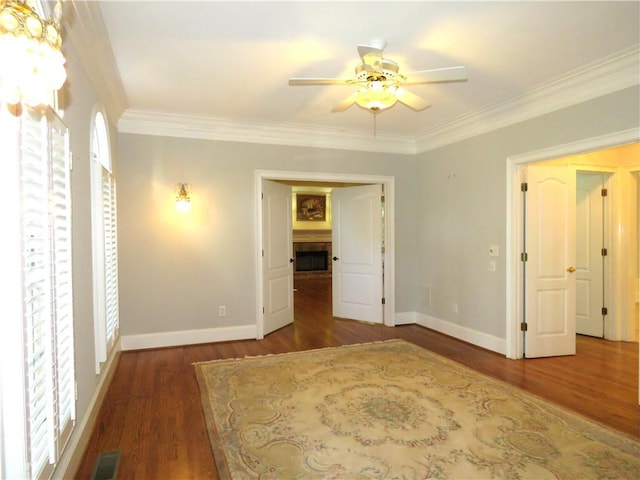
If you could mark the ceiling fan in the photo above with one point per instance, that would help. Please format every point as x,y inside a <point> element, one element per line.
<point>379,85</point>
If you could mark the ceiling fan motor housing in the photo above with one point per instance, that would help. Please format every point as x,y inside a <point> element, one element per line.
<point>387,73</point>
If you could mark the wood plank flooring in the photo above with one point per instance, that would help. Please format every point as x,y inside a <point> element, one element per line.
<point>153,414</point>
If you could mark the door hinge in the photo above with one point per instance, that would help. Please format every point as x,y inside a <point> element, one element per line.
<point>604,310</point>
<point>524,186</point>
<point>603,252</point>
<point>263,253</point>
<point>524,257</point>
<point>262,196</point>
<point>263,310</point>
<point>604,192</point>
<point>383,301</point>
<point>523,326</point>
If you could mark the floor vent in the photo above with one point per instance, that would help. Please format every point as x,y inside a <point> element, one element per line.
<point>106,466</point>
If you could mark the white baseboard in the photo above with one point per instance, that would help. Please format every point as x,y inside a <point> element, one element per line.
<point>405,318</point>
<point>188,337</point>
<point>474,337</point>
<point>74,450</point>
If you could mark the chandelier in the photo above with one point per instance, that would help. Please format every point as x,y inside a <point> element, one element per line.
<point>31,63</point>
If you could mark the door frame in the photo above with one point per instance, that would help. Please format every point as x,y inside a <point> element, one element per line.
<point>514,300</point>
<point>389,228</point>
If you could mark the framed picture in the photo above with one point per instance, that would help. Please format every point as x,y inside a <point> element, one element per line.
<point>311,207</point>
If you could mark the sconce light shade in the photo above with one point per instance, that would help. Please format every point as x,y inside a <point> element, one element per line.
<point>31,62</point>
<point>183,197</point>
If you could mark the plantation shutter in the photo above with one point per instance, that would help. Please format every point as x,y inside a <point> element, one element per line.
<point>47,310</point>
<point>37,315</point>
<point>63,287</point>
<point>110,256</point>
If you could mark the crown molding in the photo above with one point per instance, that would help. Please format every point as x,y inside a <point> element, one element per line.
<point>205,127</point>
<point>84,28</point>
<point>609,75</point>
<point>612,74</point>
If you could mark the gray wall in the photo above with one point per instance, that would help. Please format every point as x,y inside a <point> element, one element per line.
<point>175,270</point>
<point>462,198</point>
<point>78,100</point>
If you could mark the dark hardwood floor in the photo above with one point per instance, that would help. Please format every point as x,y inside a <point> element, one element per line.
<point>153,414</point>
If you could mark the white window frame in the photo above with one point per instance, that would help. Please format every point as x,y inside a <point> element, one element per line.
<point>104,240</point>
<point>35,176</point>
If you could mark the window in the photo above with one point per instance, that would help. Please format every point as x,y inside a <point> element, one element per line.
<point>105,247</point>
<point>37,377</point>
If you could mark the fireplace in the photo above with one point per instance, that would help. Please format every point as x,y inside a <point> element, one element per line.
<point>312,260</point>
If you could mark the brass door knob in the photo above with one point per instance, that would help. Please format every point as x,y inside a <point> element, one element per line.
<point>571,269</point>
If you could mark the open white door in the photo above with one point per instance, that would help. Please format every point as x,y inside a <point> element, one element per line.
<point>357,248</point>
<point>550,282</point>
<point>590,225</point>
<point>277,245</point>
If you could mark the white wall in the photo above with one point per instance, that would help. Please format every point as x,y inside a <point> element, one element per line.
<point>463,208</point>
<point>176,269</point>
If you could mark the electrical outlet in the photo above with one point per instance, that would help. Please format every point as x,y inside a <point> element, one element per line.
<point>455,308</point>
<point>492,265</point>
<point>222,311</point>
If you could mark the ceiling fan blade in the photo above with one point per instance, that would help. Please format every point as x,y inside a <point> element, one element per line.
<point>317,81</point>
<point>344,104</point>
<point>451,74</point>
<point>412,100</point>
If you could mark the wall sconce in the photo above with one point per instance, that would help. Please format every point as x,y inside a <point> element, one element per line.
<point>183,197</point>
<point>32,65</point>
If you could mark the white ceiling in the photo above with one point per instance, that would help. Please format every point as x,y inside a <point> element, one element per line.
<point>231,60</point>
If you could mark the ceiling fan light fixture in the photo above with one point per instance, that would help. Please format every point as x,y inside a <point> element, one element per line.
<point>377,96</point>
<point>379,84</point>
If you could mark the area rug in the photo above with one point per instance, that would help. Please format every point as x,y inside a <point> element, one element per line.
<point>393,410</point>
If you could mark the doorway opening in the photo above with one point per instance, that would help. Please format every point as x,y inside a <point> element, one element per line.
<point>302,178</point>
<point>625,175</point>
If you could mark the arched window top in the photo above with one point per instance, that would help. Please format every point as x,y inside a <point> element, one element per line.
<point>100,146</point>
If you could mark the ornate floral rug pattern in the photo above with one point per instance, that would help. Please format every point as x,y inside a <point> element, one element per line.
<point>393,410</point>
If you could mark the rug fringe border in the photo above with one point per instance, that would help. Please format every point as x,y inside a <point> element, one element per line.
<point>266,355</point>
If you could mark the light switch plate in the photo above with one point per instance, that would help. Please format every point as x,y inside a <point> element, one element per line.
<point>494,250</point>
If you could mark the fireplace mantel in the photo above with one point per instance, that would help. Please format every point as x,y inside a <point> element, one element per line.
<point>313,236</point>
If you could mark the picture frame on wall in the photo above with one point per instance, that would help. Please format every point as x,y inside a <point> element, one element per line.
<point>311,207</point>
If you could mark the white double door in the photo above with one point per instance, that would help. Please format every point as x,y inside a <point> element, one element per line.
<point>357,270</point>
